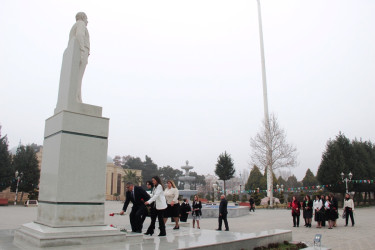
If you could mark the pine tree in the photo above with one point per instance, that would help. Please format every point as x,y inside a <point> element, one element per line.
<point>6,171</point>
<point>225,168</point>
<point>254,180</point>
<point>26,163</point>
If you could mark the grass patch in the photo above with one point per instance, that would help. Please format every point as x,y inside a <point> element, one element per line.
<point>285,246</point>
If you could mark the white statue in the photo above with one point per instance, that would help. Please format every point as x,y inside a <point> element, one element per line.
<point>80,32</point>
<point>72,70</point>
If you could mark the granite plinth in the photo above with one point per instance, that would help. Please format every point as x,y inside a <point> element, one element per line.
<point>72,184</point>
<point>37,235</point>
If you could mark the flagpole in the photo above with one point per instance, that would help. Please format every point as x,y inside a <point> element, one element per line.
<point>265,103</point>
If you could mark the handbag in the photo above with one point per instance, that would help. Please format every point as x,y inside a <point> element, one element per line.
<point>344,215</point>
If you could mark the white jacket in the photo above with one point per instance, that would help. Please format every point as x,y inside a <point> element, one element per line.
<point>158,197</point>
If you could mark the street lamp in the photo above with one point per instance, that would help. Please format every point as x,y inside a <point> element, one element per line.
<point>18,177</point>
<point>346,179</point>
<point>215,188</point>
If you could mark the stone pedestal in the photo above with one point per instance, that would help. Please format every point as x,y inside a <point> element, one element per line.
<point>72,184</point>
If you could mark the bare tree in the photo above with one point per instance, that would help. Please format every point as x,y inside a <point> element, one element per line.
<point>271,151</point>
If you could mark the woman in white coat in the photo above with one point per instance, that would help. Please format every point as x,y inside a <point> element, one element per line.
<point>160,203</point>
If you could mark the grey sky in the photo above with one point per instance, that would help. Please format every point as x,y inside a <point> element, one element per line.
<point>181,80</point>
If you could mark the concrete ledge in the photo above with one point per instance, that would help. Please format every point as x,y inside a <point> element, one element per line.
<point>222,240</point>
<point>33,234</point>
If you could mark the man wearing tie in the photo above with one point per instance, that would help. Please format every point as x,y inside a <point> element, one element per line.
<point>137,195</point>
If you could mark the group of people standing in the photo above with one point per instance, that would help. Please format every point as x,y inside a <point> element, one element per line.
<point>324,208</point>
<point>158,202</point>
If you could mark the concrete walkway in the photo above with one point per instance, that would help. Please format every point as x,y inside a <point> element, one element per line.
<point>361,236</point>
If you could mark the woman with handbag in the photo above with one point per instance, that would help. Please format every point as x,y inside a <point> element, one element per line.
<point>197,210</point>
<point>348,209</point>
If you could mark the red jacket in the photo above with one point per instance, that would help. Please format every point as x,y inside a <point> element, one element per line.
<point>296,207</point>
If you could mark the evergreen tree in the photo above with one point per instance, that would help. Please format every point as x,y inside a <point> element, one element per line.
<point>253,182</point>
<point>148,167</point>
<point>169,173</point>
<point>257,198</point>
<point>6,171</point>
<point>292,182</point>
<point>337,158</point>
<point>225,168</point>
<point>281,181</point>
<point>25,162</point>
<point>309,179</point>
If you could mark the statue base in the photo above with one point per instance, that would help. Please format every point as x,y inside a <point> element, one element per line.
<point>37,235</point>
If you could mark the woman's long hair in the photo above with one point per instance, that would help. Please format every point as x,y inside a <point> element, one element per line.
<point>158,180</point>
<point>172,183</point>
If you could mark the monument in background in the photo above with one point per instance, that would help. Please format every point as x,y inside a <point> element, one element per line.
<point>187,192</point>
<point>72,183</point>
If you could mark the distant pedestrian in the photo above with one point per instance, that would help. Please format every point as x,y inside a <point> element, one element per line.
<point>296,211</point>
<point>223,211</point>
<point>348,209</point>
<point>252,204</point>
<point>185,210</point>
<point>197,211</point>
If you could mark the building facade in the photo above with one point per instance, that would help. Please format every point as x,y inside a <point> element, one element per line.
<point>115,187</point>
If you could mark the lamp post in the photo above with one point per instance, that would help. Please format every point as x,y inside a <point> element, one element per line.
<point>346,179</point>
<point>18,178</point>
<point>215,188</point>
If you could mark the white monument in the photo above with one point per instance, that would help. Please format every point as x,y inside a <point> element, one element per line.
<point>72,183</point>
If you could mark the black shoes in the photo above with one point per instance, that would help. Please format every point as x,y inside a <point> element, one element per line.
<point>162,234</point>
<point>175,228</point>
<point>219,229</point>
<point>149,232</point>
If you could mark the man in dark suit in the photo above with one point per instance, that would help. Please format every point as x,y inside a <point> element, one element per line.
<point>138,196</point>
<point>223,213</point>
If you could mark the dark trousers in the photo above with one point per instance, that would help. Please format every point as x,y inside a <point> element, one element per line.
<point>136,218</point>
<point>349,211</point>
<point>223,217</point>
<point>153,217</point>
<point>295,220</point>
<point>252,207</point>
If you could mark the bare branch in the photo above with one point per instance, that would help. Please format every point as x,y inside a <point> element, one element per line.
<point>269,147</point>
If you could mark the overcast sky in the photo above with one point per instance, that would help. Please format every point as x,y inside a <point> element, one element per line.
<point>181,80</point>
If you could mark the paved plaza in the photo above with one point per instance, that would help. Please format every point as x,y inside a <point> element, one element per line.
<point>361,236</point>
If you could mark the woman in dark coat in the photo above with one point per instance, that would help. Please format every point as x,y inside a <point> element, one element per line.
<point>307,210</point>
<point>197,211</point>
<point>184,210</point>
<point>329,215</point>
<point>296,207</point>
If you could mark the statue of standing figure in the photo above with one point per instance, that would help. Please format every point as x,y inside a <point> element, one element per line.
<point>73,67</point>
<point>80,32</point>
